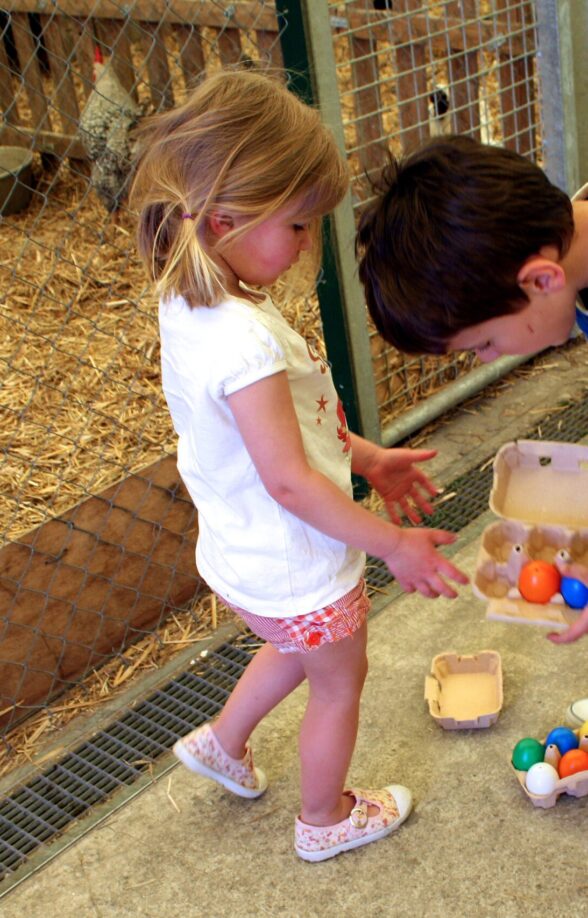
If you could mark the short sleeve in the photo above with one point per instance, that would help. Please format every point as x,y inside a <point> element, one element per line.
<point>252,353</point>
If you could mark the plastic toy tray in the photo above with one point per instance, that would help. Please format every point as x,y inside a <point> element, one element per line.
<point>540,491</point>
<point>576,786</point>
<point>465,692</point>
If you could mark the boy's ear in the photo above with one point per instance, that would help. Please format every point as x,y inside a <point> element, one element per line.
<point>220,223</point>
<point>541,274</point>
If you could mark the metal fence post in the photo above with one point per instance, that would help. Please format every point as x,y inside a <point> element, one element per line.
<point>579,24</point>
<point>305,30</point>
<point>556,74</point>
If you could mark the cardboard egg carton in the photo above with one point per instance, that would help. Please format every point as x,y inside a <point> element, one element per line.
<point>576,786</point>
<point>465,692</point>
<point>540,491</point>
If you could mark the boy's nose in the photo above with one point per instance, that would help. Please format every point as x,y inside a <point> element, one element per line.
<point>487,354</point>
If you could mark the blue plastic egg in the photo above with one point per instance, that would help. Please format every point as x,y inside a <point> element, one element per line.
<point>564,738</point>
<point>574,592</point>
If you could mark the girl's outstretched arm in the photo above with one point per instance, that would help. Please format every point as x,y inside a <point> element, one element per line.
<point>266,418</point>
<point>406,489</point>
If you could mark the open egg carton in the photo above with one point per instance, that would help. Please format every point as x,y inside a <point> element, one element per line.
<point>540,491</point>
<point>464,692</point>
<point>575,785</point>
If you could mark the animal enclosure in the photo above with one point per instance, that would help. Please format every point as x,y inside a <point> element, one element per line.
<point>98,533</point>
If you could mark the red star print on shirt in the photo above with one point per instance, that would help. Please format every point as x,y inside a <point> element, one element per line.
<point>342,429</point>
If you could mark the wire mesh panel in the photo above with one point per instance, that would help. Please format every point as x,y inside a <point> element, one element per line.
<point>97,574</point>
<point>410,69</point>
<point>98,534</point>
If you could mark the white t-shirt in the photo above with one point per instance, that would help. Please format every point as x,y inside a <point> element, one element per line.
<point>251,550</point>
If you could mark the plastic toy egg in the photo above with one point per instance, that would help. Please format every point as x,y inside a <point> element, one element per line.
<point>574,592</point>
<point>552,755</point>
<point>572,762</point>
<point>539,581</point>
<point>564,738</point>
<point>527,752</point>
<point>541,779</point>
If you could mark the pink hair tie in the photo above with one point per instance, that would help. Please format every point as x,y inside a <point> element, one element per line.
<point>187,216</point>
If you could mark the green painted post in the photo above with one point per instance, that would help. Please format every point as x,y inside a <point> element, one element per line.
<point>338,289</point>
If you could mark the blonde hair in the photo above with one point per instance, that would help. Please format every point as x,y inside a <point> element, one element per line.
<point>242,141</point>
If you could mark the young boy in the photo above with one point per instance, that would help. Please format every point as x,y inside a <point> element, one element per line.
<point>471,247</point>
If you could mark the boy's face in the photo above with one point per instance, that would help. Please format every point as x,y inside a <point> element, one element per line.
<point>542,323</point>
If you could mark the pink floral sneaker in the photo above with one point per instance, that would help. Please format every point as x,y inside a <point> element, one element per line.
<point>200,751</point>
<point>317,843</point>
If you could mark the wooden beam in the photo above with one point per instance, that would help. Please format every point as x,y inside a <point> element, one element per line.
<point>43,141</point>
<point>244,15</point>
<point>63,95</point>
<point>79,588</point>
<point>439,32</point>
<point>32,79</point>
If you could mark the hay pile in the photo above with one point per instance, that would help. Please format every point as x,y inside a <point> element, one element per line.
<point>78,344</point>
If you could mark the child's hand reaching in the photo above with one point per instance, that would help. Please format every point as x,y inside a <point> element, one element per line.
<point>404,488</point>
<point>580,626</point>
<point>418,566</point>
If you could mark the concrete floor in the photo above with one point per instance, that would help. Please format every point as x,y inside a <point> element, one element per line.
<point>474,845</point>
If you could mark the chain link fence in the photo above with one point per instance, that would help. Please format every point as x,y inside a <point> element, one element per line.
<point>98,533</point>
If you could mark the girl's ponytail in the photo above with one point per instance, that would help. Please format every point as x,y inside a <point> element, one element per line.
<point>241,141</point>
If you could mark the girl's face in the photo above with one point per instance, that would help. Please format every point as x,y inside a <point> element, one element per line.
<point>258,256</point>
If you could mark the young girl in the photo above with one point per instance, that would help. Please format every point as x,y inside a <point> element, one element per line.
<point>230,188</point>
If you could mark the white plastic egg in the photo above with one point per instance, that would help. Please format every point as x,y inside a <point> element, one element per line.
<point>541,779</point>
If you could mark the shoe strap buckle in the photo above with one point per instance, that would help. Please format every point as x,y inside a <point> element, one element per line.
<point>358,816</point>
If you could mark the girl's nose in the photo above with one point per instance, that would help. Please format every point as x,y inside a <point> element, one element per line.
<point>305,240</point>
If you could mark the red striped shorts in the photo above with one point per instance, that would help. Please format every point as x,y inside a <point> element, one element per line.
<point>303,633</point>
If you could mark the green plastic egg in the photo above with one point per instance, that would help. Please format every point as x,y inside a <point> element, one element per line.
<point>527,752</point>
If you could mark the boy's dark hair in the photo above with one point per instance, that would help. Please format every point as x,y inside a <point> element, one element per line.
<point>441,246</point>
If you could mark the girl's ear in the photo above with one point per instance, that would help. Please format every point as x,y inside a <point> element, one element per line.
<point>220,223</point>
<point>541,274</point>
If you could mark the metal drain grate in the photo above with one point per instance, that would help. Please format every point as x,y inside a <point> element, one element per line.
<point>116,757</point>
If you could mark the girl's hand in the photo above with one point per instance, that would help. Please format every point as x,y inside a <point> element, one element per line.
<point>418,566</point>
<point>405,489</point>
<point>580,626</point>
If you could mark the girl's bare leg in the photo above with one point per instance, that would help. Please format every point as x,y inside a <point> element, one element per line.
<point>267,680</point>
<point>336,674</point>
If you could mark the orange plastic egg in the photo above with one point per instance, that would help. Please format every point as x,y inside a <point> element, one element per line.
<point>539,581</point>
<point>573,761</point>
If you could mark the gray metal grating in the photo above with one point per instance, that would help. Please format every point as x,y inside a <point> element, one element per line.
<point>116,757</point>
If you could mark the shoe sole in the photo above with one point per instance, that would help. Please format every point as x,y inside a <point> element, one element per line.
<point>315,856</point>
<point>195,765</point>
